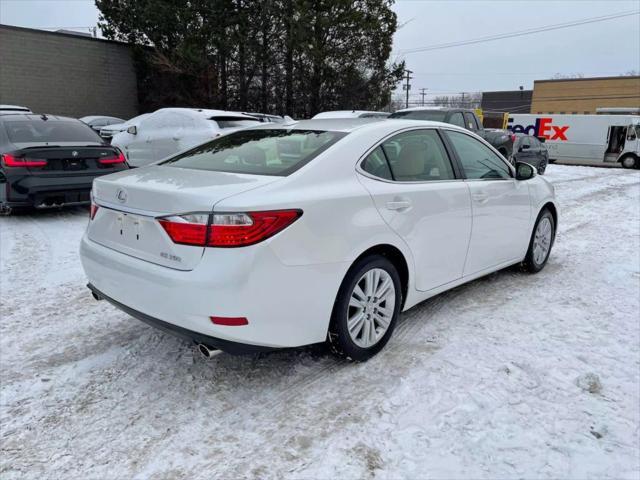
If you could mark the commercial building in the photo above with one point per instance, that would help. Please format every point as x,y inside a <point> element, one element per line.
<point>514,101</point>
<point>585,95</point>
<point>66,74</point>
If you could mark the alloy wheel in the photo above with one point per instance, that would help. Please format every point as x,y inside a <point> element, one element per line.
<point>371,307</point>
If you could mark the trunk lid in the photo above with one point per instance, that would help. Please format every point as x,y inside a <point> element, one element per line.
<point>70,159</point>
<point>131,201</point>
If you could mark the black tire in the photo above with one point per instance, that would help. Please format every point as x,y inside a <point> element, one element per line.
<point>339,339</point>
<point>530,264</point>
<point>630,161</point>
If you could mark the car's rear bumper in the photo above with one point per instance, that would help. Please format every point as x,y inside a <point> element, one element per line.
<point>46,191</point>
<point>234,348</point>
<point>286,306</point>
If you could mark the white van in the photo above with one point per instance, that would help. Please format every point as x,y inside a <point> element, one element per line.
<point>589,139</point>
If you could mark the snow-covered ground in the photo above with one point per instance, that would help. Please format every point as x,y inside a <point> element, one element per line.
<point>510,376</point>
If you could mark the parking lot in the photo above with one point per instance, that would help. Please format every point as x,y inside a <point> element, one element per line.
<point>510,376</point>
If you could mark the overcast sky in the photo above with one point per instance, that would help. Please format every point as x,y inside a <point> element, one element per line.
<point>597,49</point>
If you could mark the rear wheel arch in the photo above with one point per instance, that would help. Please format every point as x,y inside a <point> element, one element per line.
<point>554,212</point>
<point>396,257</point>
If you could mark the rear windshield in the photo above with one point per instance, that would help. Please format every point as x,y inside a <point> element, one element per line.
<point>232,122</point>
<point>433,115</point>
<point>49,131</point>
<point>258,152</point>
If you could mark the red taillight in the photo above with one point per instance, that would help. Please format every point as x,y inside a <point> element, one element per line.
<point>230,321</point>
<point>12,161</point>
<point>227,229</point>
<point>513,138</point>
<point>239,230</point>
<point>118,158</point>
<point>190,229</point>
<point>94,210</point>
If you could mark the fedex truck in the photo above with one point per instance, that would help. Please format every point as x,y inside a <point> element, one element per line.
<point>588,139</point>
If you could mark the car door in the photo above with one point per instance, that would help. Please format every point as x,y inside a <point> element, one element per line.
<point>138,147</point>
<point>470,122</point>
<point>524,152</point>
<point>421,197</point>
<point>165,137</point>
<point>500,204</point>
<point>539,153</point>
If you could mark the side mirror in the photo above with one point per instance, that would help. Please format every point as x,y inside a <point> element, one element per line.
<point>132,130</point>
<point>524,171</point>
<point>542,139</point>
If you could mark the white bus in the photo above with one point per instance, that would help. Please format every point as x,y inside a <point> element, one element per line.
<point>588,139</point>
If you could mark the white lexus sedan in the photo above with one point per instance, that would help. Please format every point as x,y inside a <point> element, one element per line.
<point>288,235</point>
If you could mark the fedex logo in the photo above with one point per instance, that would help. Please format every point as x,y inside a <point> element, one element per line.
<point>542,128</point>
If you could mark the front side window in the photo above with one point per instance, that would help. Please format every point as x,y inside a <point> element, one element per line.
<point>478,161</point>
<point>257,152</point>
<point>471,121</point>
<point>417,156</point>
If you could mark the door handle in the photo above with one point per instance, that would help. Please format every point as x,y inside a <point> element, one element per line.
<point>176,138</point>
<point>480,197</point>
<point>398,205</point>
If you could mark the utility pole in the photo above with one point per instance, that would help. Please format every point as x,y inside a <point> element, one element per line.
<point>422,94</point>
<point>463,100</point>
<point>407,86</point>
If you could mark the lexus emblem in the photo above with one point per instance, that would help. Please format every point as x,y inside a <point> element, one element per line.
<point>74,154</point>
<point>121,195</point>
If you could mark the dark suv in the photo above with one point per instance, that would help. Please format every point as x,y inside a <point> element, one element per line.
<point>50,161</point>
<point>500,139</point>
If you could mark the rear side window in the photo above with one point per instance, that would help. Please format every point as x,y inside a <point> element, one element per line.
<point>234,122</point>
<point>414,156</point>
<point>376,165</point>
<point>49,131</point>
<point>258,152</point>
<point>457,119</point>
<point>478,161</point>
<point>418,156</point>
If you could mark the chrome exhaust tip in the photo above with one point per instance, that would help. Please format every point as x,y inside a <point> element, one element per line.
<point>207,352</point>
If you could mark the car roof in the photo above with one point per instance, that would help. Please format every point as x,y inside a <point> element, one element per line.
<point>90,118</point>
<point>351,124</point>
<point>28,117</point>
<point>206,113</point>
<point>15,108</point>
<point>434,109</point>
<point>342,114</point>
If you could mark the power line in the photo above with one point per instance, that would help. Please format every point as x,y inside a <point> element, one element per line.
<point>530,31</point>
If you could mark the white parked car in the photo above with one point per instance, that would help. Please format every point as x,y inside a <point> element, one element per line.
<point>97,122</point>
<point>10,109</point>
<point>350,114</point>
<point>107,132</point>
<point>282,236</point>
<point>170,130</point>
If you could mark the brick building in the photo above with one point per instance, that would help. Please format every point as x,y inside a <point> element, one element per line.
<point>585,95</point>
<point>66,74</point>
